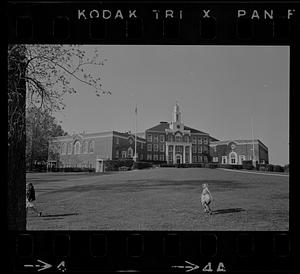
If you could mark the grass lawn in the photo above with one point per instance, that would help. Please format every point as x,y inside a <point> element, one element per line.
<point>160,199</point>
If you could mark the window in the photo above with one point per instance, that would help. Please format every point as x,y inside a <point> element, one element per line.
<point>149,157</point>
<point>91,146</point>
<point>233,158</point>
<point>117,153</point>
<point>187,159</point>
<point>70,148</point>
<point>199,149</point>
<point>117,140</point>
<point>186,139</point>
<point>155,147</point>
<point>149,137</point>
<point>215,159</point>
<point>224,159</point>
<point>142,145</point>
<point>205,141</point>
<point>123,154</point>
<point>156,138</point>
<point>200,160</point>
<point>194,149</point>
<point>130,141</point>
<point>194,140</point>
<point>130,152</point>
<point>187,149</point>
<point>170,138</point>
<point>170,148</point>
<point>85,147</point>
<point>161,157</point>
<point>199,140</point>
<point>205,159</point>
<point>141,156</point>
<point>64,149</point>
<point>178,138</point>
<point>170,158</point>
<point>155,157</point>
<point>162,138</point>
<point>77,148</point>
<point>242,158</point>
<point>215,148</point>
<point>178,149</point>
<point>162,147</point>
<point>194,159</point>
<point>149,147</point>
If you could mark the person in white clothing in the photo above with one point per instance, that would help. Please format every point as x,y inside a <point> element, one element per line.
<point>206,199</point>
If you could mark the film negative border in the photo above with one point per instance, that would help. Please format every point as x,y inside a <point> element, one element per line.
<point>147,251</point>
<point>149,23</point>
<point>161,23</point>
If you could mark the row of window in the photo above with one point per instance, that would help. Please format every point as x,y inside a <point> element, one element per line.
<point>131,141</point>
<point>127,154</point>
<point>155,157</point>
<point>77,147</point>
<point>156,147</point>
<point>232,159</point>
<point>195,159</point>
<point>176,138</point>
<point>161,148</point>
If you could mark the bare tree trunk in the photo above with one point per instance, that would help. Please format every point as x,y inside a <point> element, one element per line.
<point>16,175</point>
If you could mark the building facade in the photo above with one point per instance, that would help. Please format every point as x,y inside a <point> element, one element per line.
<point>90,150</point>
<point>176,143</point>
<point>172,143</point>
<point>234,152</point>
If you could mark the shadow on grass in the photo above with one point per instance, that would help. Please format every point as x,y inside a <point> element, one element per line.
<point>59,215</point>
<point>227,210</point>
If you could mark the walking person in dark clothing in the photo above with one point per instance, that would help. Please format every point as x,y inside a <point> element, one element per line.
<point>30,199</point>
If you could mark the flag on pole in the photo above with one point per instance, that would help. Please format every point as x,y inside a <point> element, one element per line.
<point>135,111</point>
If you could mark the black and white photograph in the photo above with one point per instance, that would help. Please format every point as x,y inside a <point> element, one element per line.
<point>149,137</point>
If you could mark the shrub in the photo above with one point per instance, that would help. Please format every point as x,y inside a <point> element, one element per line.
<point>262,168</point>
<point>278,168</point>
<point>167,165</point>
<point>141,165</point>
<point>269,167</point>
<point>114,165</point>
<point>286,168</point>
<point>247,165</point>
<point>211,165</point>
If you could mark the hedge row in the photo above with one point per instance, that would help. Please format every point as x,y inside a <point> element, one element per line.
<point>141,165</point>
<point>72,169</point>
<point>115,165</point>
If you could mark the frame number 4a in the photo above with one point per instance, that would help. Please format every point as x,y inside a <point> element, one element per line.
<point>208,268</point>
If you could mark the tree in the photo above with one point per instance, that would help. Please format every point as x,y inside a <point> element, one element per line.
<point>40,76</point>
<point>41,128</point>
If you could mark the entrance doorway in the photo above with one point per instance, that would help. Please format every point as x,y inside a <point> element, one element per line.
<point>99,165</point>
<point>178,159</point>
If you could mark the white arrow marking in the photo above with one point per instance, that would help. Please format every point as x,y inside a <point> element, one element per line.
<point>44,266</point>
<point>189,267</point>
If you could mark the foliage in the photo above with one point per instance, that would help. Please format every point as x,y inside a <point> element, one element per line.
<point>114,165</point>
<point>50,72</point>
<point>141,165</point>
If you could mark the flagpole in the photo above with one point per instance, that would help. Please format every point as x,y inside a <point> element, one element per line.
<point>135,154</point>
<point>253,154</point>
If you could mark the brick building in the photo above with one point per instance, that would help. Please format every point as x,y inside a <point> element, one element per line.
<point>91,149</point>
<point>176,143</point>
<point>236,151</point>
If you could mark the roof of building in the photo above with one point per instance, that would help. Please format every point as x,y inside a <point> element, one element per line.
<point>99,134</point>
<point>242,141</point>
<point>162,126</point>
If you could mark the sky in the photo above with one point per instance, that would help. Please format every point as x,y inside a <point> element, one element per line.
<point>218,88</point>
